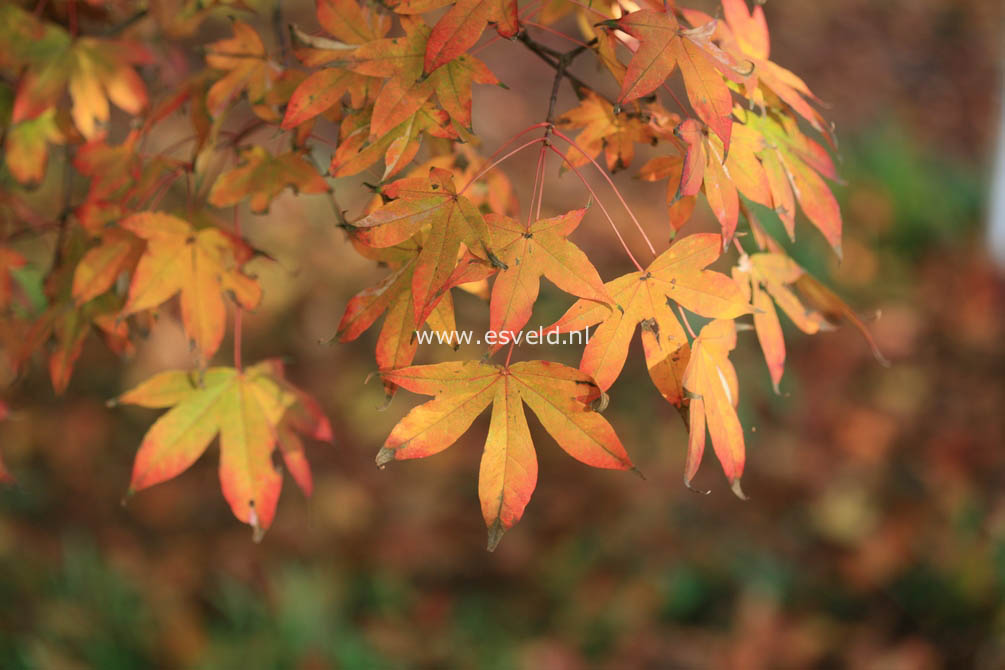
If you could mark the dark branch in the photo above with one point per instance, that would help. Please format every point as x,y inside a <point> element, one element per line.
<point>560,63</point>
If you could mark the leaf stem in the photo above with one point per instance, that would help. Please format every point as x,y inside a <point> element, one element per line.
<point>538,185</point>
<point>557,33</point>
<point>687,323</point>
<point>603,209</point>
<point>540,193</point>
<point>481,173</point>
<point>673,95</point>
<point>610,182</point>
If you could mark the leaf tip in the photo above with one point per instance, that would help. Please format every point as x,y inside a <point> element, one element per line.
<point>127,496</point>
<point>257,531</point>
<point>384,456</point>
<point>496,532</point>
<point>687,483</point>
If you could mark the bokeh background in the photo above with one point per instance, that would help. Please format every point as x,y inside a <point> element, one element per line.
<point>874,536</point>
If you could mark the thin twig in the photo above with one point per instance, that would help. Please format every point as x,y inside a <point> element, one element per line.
<point>551,57</point>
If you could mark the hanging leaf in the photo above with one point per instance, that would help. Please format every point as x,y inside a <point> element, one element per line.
<point>711,380</point>
<point>245,408</point>
<point>663,45</point>
<point>200,265</point>
<point>529,253</point>
<point>452,219</point>
<point>560,396</point>
<point>604,130</point>
<point>645,298</point>
<point>262,177</point>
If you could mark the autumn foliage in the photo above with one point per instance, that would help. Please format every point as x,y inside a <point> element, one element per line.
<point>392,83</point>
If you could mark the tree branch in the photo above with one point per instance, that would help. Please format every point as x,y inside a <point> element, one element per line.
<point>555,60</point>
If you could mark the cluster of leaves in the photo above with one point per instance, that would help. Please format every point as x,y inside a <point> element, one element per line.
<point>392,83</point>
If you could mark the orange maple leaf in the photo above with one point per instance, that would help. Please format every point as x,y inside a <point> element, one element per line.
<point>711,380</point>
<point>530,253</point>
<point>560,396</point>
<point>248,409</point>
<point>200,264</point>
<point>262,176</point>
<point>644,299</point>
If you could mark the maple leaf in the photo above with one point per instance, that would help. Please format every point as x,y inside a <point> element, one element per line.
<point>304,417</point>
<point>706,166</point>
<point>834,309</point>
<point>242,58</point>
<point>356,152</point>
<point>711,380</point>
<point>65,326</point>
<point>795,166</point>
<point>262,177</point>
<point>459,29</point>
<point>452,219</point>
<point>397,60</point>
<point>94,71</point>
<point>98,269</point>
<point>746,33</point>
<point>26,146</point>
<point>350,23</point>
<point>560,396</point>
<point>396,343</point>
<point>664,45</point>
<point>671,167</point>
<point>245,408</point>
<point>603,129</point>
<point>766,277</point>
<point>200,264</point>
<point>531,252</point>
<point>644,299</point>
<point>452,85</point>
<point>320,91</point>
<point>115,172</point>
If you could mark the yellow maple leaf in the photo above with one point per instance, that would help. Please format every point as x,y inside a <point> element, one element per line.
<point>200,264</point>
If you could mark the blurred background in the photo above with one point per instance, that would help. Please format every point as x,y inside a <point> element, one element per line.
<point>874,536</point>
